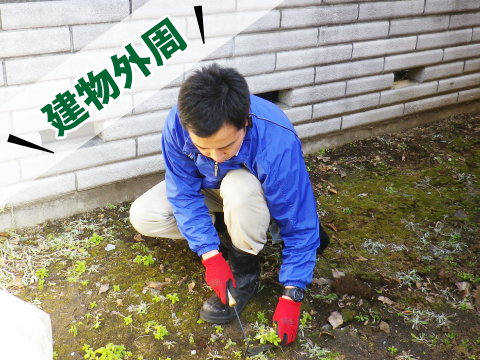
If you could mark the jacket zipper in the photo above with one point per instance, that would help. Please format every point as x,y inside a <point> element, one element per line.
<point>216,168</point>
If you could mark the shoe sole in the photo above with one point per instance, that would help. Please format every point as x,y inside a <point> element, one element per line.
<point>215,320</point>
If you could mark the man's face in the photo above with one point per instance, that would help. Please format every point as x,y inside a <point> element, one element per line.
<point>222,145</point>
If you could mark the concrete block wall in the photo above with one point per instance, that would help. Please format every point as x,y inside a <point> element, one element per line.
<point>333,63</point>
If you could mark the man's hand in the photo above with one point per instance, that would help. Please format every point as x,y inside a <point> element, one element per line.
<point>218,275</point>
<point>286,317</point>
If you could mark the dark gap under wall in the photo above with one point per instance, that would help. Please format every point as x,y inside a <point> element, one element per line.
<point>271,96</point>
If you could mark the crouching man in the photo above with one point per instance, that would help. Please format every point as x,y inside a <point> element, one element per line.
<point>230,152</point>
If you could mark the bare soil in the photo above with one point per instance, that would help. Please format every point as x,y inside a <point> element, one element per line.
<point>403,213</point>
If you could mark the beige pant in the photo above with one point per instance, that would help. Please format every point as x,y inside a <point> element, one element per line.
<point>240,197</point>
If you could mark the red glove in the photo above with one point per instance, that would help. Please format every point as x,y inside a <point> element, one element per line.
<point>218,275</point>
<point>286,316</point>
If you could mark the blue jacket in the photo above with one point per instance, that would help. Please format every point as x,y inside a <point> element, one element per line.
<point>272,152</point>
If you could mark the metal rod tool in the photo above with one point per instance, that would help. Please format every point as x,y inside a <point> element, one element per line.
<point>233,303</point>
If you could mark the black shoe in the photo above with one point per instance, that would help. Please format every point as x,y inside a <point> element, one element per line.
<point>324,241</point>
<point>246,269</point>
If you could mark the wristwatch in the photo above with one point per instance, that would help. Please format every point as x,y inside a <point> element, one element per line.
<point>296,293</point>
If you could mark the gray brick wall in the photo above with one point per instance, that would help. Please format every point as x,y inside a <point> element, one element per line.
<point>369,84</point>
<point>313,94</point>
<point>348,70</point>
<point>430,103</point>
<point>445,6</point>
<point>461,52</point>
<point>332,62</point>
<point>438,71</point>
<point>33,42</point>
<point>355,32</point>
<point>418,25</point>
<point>378,48</point>
<point>310,57</point>
<point>412,60</point>
<point>465,20</point>
<point>408,93</point>
<point>345,106</point>
<point>438,40</point>
<point>390,9</point>
<point>372,116</point>
<point>319,15</point>
<point>275,41</point>
<point>472,65</point>
<point>52,13</point>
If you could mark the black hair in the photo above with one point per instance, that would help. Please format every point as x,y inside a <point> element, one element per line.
<point>211,97</point>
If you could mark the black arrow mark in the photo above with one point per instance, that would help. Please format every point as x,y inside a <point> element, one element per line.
<point>16,140</point>
<point>199,14</point>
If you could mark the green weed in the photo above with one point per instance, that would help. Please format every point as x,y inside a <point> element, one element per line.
<point>145,260</point>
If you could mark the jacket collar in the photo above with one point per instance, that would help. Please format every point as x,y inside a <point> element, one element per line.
<point>242,156</point>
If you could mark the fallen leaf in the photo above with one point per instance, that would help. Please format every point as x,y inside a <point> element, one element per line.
<point>3,234</point>
<point>191,286</point>
<point>332,191</point>
<point>333,227</point>
<point>385,300</point>
<point>360,258</point>
<point>460,214</point>
<point>103,288</point>
<point>337,274</point>
<point>363,194</point>
<point>429,299</point>
<point>138,238</point>
<point>161,268</point>
<point>120,302</point>
<point>16,283</point>
<point>329,183</point>
<point>322,281</point>
<point>323,158</point>
<point>157,285</point>
<point>384,327</point>
<point>477,297</point>
<point>180,282</point>
<point>343,173</point>
<point>335,319</point>
<point>464,287</point>
<point>319,186</point>
<point>403,157</point>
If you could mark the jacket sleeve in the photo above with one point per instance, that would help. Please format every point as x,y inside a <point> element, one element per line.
<point>292,204</point>
<point>183,181</point>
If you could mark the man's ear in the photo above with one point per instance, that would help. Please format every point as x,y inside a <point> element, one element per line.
<point>249,121</point>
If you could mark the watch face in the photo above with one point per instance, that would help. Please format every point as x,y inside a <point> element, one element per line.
<point>297,295</point>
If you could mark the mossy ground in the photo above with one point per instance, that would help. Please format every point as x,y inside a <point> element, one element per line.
<point>415,195</point>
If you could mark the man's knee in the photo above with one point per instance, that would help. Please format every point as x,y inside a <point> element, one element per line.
<point>240,187</point>
<point>137,217</point>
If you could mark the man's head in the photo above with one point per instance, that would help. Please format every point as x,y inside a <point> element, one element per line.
<point>214,104</point>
